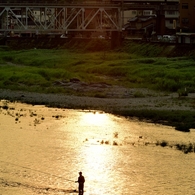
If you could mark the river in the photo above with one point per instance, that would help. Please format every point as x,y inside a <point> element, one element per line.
<point>42,150</point>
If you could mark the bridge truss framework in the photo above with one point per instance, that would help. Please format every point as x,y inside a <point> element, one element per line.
<point>60,18</point>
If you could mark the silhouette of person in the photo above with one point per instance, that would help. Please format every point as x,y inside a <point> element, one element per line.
<point>81,181</point>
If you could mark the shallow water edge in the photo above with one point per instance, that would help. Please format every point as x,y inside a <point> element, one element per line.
<point>42,150</point>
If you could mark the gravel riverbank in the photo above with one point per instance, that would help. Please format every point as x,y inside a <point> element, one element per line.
<point>148,100</point>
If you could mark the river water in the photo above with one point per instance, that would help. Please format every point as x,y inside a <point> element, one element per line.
<point>42,150</point>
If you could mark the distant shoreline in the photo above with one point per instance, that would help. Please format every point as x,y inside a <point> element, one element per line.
<point>166,110</point>
<point>105,104</point>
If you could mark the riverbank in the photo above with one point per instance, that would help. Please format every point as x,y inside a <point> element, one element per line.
<point>147,100</point>
<point>121,82</point>
<point>89,45</point>
<point>160,108</point>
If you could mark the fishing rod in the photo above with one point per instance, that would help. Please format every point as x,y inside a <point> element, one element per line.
<point>38,171</point>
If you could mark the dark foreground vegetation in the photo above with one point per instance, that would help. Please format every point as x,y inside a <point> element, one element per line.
<point>166,68</point>
<point>181,120</point>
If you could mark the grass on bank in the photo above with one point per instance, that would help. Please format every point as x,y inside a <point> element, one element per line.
<point>181,120</point>
<point>26,69</point>
<point>136,67</point>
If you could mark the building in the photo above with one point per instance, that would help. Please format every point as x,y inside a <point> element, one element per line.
<point>166,20</point>
<point>186,38</point>
<point>171,21</point>
<point>146,23</point>
<point>187,15</point>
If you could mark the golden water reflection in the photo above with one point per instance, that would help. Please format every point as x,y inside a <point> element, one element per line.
<point>45,157</point>
<point>97,131</point>
<point>94,118</point>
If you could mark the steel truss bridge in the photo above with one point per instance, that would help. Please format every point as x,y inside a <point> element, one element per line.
<point>43,18</point>
<point>60,18</point>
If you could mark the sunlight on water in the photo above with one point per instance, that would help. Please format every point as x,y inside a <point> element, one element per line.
<point>96,166</point>
<point>94,118</point>
<point>43,149</point>
<point>96,157</point>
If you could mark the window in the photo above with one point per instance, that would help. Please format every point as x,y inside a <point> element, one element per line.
<point>171,12</point>
<point>146,12</point>
<point>184,5</point>
<point>185,20</point>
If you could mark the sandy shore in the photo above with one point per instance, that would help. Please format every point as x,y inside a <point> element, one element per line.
<point>151,100</point>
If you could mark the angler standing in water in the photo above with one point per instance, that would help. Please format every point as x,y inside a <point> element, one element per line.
<point>81,181</point>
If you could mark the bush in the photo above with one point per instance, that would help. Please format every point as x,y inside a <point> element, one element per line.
<point>182,92</point>
<point>168,85</point>
<point>138,94</point>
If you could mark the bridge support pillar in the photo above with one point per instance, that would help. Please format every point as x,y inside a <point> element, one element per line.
<point>160,22</point>
<point>116,39</point>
